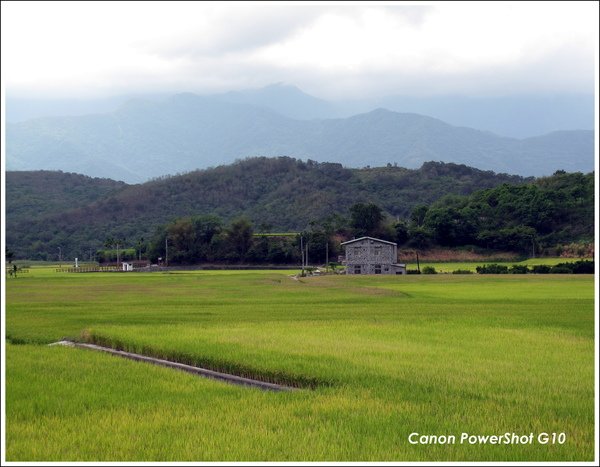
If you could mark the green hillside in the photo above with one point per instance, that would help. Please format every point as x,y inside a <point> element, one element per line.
<point>34,194</point>
<point>281,194</point>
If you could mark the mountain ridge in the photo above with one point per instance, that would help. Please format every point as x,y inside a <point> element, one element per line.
<point>516,116</point>
<point>144,139</point>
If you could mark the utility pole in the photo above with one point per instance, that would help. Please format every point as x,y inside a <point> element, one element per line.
<point>166,251</point>
<point>59,257</point>
<point>418,267</point>
<point>117,254</point>
<point>326,254</point>
<point>302,253</point>
<point>306,256</point>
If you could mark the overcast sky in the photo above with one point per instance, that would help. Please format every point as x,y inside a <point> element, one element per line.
<point>87,49</point>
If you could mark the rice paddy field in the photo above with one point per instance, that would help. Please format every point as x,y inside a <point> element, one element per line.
<point>447,267</point>
<point>374,358</point>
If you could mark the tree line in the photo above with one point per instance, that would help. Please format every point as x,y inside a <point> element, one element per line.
<point>527,219</point>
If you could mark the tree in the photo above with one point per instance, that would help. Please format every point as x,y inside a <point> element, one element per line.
<point>239,237</point>
<point>109,242</point>
<point>450,226</point>
<point>419,237</point>
<point>401,230</point>
<point>318,245</point>
<point>522,239</point>
<point>156,248</point>
<point>9,255</point>
<point>417,216</point>
<point>182,238</point>
<point>206,227</point>
<point>365,219</point>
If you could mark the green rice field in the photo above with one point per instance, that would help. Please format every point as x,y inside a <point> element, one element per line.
<point>375,359</point>
<point>448,267</point>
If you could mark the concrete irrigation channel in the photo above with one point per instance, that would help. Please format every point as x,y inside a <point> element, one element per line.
<point>225,377</point>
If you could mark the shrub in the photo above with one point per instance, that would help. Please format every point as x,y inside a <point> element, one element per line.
<point>518,269</point>
<point>578,267</point>
<point>559,269</point>
<point>462,271</point>
<point>582,267</point>
<point>540,269</point>
<point>492,269</point>
<point>429,270</point>
<point>413,271</point>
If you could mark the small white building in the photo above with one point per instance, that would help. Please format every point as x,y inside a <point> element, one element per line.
<point>368,255</point>
<point>127,266</point>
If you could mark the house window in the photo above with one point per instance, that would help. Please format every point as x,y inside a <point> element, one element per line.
<point>386,268</point>
<point>357,269</point>
<point>377,251</point>
<point>378,269</point>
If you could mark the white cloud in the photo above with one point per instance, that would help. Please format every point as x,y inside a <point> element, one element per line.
<point>71,48</point>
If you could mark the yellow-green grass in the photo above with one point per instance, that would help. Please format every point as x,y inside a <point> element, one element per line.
<point>448,267</point>
<point>387,356</point>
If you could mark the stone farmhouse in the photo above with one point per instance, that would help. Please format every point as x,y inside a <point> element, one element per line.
<point>368,255</point>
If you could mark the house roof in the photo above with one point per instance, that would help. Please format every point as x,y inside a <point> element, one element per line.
<point>368,238</point>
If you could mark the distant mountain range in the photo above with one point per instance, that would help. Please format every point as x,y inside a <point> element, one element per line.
<point>521,116</point>
<point>46,210</point>
<point>143,139</point>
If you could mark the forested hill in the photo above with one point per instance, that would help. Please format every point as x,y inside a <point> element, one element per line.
<point>34,194</point>
<point>548,212</point>
<point>278,193</point>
